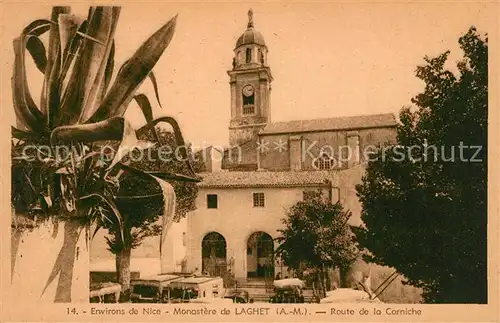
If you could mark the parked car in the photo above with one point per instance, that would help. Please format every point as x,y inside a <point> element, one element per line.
<point>238,296</point>
<point>106,292</point>
<point>216,301</point>
<point>288,291</point>
<point>151,289</point>
<point>348,295</point>
<point>192,289</point>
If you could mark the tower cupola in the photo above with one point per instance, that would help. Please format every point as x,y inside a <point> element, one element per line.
<point>251,49</point>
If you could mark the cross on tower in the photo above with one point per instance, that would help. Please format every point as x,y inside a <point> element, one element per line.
<point>250,18</point>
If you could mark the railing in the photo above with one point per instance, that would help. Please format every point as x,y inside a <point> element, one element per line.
<point>248,109</point>
<point>218,270</point>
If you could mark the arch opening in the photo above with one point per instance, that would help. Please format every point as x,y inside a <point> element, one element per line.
<point>260,255</point>
<point>248,55</point>
<point>214,254</point>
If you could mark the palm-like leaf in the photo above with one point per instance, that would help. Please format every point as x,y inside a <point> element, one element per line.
<point>133,73</point>
<point>52,57</point>
<point>89,65</point>
<point>68,25</point>
<point>27,113</point>
<point>152,77</point>
<point>147,110</point>
<point>178,137</point>
<point>111,205</point>
<point>37,50</point>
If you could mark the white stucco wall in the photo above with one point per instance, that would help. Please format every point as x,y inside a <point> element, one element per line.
<point>50,264</point>
<point>347,181</point>
<point>236,219</point>
<point>174,247</point>
<point>146,258</point>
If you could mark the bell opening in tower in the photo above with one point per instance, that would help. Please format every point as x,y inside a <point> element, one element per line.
<point>249,100</point>
<point>248,55</point>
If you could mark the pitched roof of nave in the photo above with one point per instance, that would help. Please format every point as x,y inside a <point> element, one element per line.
<point>255,179</point>
<point>332,124</point>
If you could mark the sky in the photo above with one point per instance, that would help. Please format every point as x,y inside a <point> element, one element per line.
<point>327,59</point>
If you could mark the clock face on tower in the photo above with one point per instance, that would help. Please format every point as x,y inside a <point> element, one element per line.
<point>248,90</point>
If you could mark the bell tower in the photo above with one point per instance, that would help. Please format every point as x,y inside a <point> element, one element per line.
<point>250,83</point>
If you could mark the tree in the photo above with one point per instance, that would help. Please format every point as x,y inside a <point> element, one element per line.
<point>317,236</point>
<point>424,200</point>
<point>141,211</point>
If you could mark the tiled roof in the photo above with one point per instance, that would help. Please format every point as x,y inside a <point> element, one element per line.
<point>230,179</point>
<point>338,123</point>
<point>250,36</point>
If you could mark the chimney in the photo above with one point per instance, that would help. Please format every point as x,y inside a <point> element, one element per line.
<point>295,153</point>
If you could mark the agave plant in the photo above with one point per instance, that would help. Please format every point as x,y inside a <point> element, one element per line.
<point>80,110</point>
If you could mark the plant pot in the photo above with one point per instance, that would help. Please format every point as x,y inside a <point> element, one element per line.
<point>50,262</point>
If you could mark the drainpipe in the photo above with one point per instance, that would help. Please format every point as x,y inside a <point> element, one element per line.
<point>258,152</point>
<point>330,189</point>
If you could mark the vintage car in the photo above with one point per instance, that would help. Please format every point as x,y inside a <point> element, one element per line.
<point>287,291</point>
<point>238,296</point>
<point>106,292</point>
<point>361,293</point>
<point>192,289</point>
<point>151,289</point>
<point>349,295</point>
<point>215,301</point>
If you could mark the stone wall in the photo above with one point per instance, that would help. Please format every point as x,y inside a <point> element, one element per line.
<point>312,142</point>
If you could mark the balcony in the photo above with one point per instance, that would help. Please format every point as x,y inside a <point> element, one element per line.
<point>248,109</point>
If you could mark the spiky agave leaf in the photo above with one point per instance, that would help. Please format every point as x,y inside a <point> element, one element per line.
<point>60,60</point>
<point>147,110</point>
<point>178,138</point>
<point>70,55</point>
<point>68,26</point>
<point>112,206</point>
<point>103,73</point>
<point>89,65</point>
<point>128,143</point>
<point>24,135</point>
<point>108,73</point>
<point>116,129</point>
<point>169,198</point>
<point>26,111</point>
<point>52,53</point>
<point>152,77</point>
<point>36,48</point>
<point>133,73</point>
<point>109,129</point>
<point>55,36</point>
<point>29,116</point>
<point>158,174</point>
<point>70,40</point>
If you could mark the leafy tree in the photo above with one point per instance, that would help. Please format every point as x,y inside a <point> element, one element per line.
<point>425,208</point>
<point>316,237</point>
<point>140,200</point>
